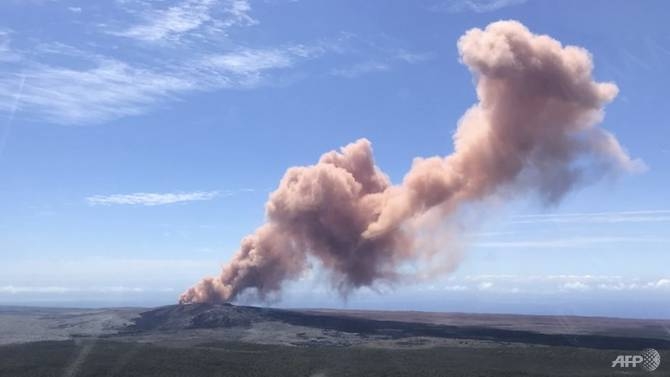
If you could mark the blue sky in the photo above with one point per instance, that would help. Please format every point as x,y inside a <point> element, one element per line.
<point>140,139</point>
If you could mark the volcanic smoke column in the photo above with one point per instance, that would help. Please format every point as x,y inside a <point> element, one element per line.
<point>533,131</point>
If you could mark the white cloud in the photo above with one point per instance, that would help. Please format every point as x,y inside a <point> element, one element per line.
<point>360,69</point>
<point>485,285</point>
<point>552,284</point>
<point>6,52</point>
<point>413,57</point>
<point>150,199</point>
<point>110,89</point>
<point>251,62</point>
<point>456,288</point>
<point>596,217</point>
<point>575,286</point>
<point>477,6</point>
<point>561,278</point>
<point>173,22</point>
<point>11,289</point>
<point>91,83</point>
<point>151,274</point>
<point>14,289</point>
<point>387,60</point>
<point>570,242</point>
<point>240,10</point>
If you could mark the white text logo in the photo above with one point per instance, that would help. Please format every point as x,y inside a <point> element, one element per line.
<point>649,359</point>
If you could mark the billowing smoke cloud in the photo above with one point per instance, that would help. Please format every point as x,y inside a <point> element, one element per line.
<point>533,131</point>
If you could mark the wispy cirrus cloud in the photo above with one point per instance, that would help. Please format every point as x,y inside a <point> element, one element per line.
<point>383,63</point>
<point>112,88</point>
<point>157,199</point>
<point>359,69</point>
<point>150,198</point>
<point>570,242</point>
<point>6,52</point>
<point>66,82</point>
<point>108,90</point>
<point>88,86</point>
<point>477,6</point>
<point>57,289</point>
<point>173,22</point>
<point>596,217</point>
<point>250,61</point>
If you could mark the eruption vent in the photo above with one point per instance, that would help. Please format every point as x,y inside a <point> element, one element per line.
<point>534,130</point>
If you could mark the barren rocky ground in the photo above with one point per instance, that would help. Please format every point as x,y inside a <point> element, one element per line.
<point>227,340</point>
<point>193,324</point>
